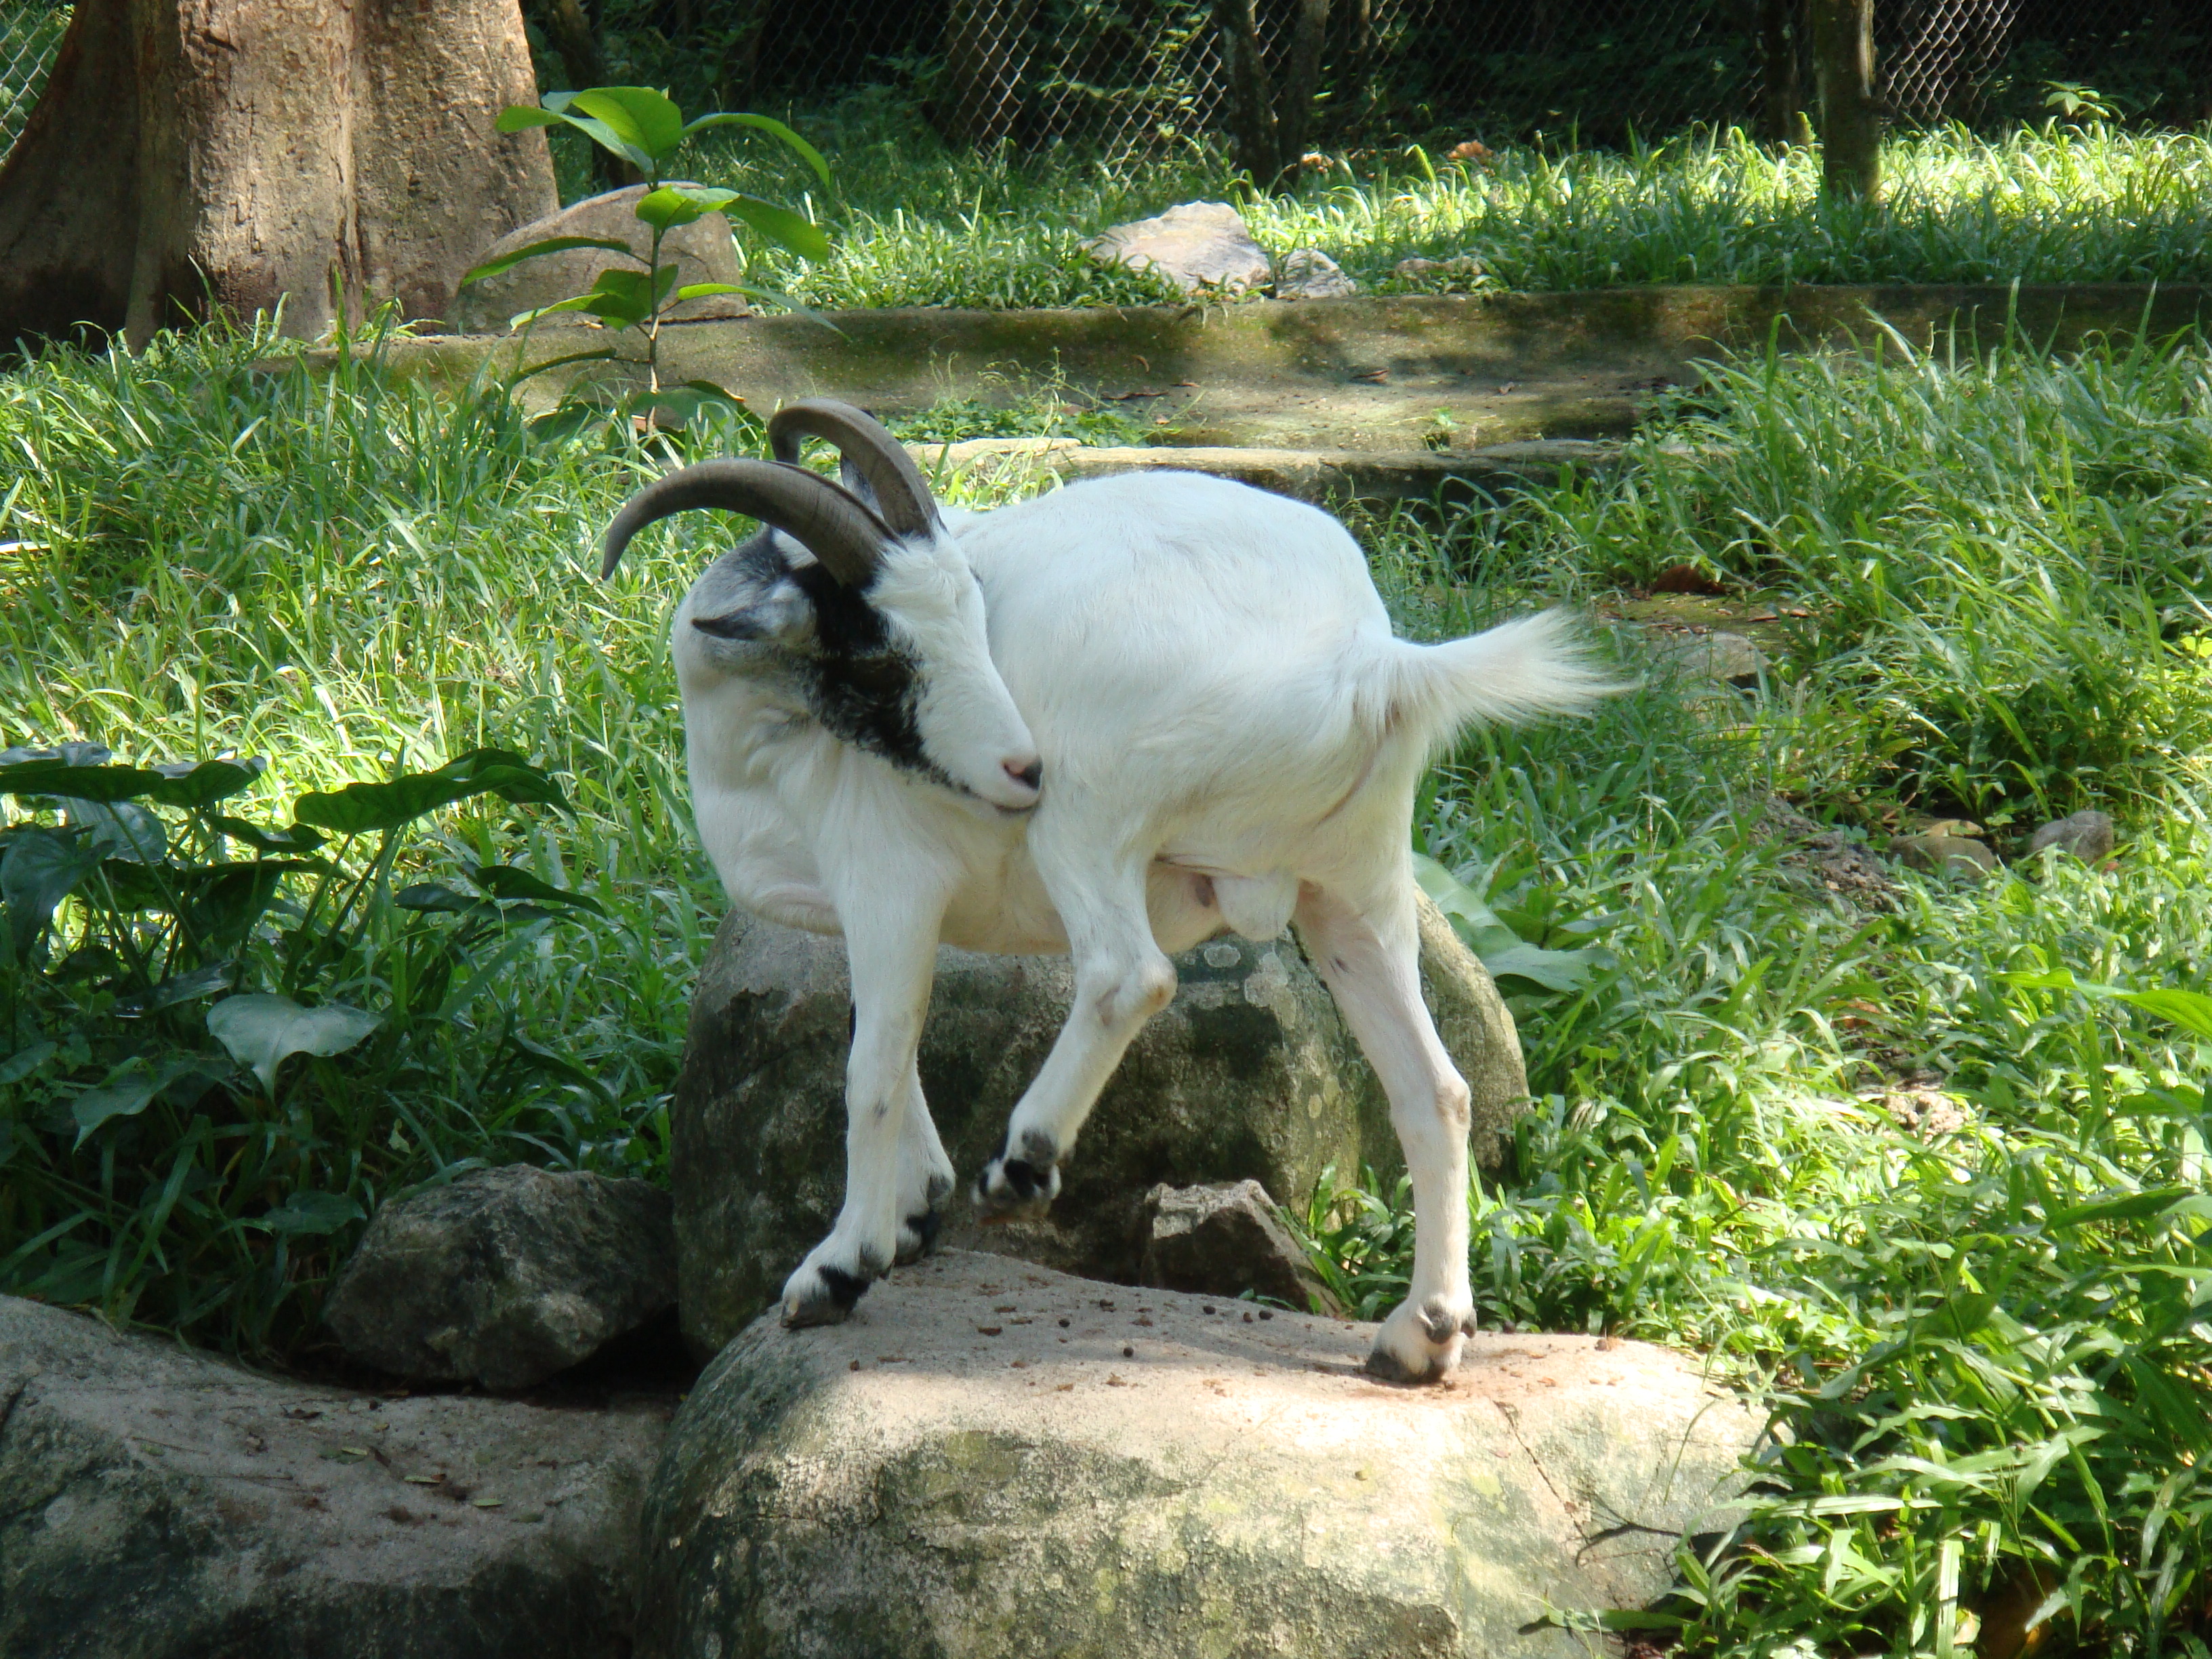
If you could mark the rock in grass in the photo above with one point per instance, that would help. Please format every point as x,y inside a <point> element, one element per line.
<point>1730,658</point>
<point>958,1470</point>
<point>157,1503</point>
<point>1944,855</point>
<point>701,251</point>
<point>505,1276</point>
<point>1226,1240</point>
<point>2088,835</point>
<point>1248,1074</point>
<point>1197,245</point>
<point>1307,273</point>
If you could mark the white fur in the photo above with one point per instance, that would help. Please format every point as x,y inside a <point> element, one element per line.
<point>1230,737</point>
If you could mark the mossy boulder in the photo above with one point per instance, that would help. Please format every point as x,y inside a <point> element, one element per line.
<point>999,1462</point>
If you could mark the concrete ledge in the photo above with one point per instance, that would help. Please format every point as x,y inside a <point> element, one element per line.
<point>1363,373</point>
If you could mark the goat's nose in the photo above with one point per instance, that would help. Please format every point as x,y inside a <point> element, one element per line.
<point>1032,773</point>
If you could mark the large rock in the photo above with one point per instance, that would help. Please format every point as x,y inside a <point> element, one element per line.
<point>156,1504</point>
<point>997,1462</point>
<point>1197,245</point>
<point>1307,273</point>
<point>701,251</point>
<point>505,1276</point>
<point>1250,1074</point>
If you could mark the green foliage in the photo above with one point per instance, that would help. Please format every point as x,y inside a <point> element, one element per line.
<point>180,1145</point>
<point>924,224</point>
<point>646,129</point>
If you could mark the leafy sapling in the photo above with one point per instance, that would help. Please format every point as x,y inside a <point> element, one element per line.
<point>646,129</point>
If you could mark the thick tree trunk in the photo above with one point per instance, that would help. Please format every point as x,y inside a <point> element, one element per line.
<point>1851,115</point>
<point>192,157</point>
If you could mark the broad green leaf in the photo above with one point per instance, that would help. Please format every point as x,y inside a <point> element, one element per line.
<point>796,306</point>
<point>183,987</point>
<point>2189,1010</point>
<point>434,896</point>
<point>504,881</point>
<point>310,1212</point>
<point>685,404</point>
<point>131,1086</point>
<point>1555,970</point>
<point>633,287</point>
<point>577,303</point>
<point>263,1030</point>
<point>197,784</point>
<point>702,290</point>
<point>780,226</point>
<point>24,1061</point>
<point>121,828</point>
<point>673,204</point>
<point>520,117</point>
<point>598,131</point>
<point>297,839</point>
<point>87,783</point>
<point>371,808</point>
<point>42,868</point>
<point>639,115</point>
<point>515,257</point>
<point>775,129</point>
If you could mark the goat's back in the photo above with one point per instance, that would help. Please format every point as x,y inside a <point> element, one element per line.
<point>1184,624</point>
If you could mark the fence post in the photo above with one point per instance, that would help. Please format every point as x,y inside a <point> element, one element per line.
<point>1851,116</point>
<point>1778,68</point>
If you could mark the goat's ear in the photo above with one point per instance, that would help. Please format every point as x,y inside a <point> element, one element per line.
<point>857,481</point>
<point>781,614</point>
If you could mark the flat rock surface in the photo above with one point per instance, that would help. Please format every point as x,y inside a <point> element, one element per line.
<point>994,1459</point>
<point>157,1502</point>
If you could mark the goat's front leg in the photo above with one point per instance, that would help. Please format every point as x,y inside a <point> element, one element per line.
<point>1369,958</point>
<point>893,958</point>
<point>1122,980</point>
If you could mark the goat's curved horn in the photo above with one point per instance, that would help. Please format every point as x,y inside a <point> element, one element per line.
<point>834,525</point>
<point>902,492</point>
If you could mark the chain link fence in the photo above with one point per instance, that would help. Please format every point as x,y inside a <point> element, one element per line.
<point>28,36</point>
<point>1121,76</point>
<point>1114,74</point>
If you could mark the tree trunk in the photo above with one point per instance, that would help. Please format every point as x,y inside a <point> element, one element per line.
<point>1851,116</point>
<point>1268,127</point>
<point>1778,66</point>
<point>191,157</point>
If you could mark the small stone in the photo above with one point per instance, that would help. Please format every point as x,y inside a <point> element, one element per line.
<point>1196,244</point>
<point>701,251</point>
<point>1224,1240</point>
<point>2088,835</point>
<point>1310,274</point>
<point>1946,855</point>
<point>1929,1113</point>
<point>505,1276</point>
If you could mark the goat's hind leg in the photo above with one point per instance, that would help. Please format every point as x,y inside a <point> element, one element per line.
<point>893,959</point>
<point>1369,958</point>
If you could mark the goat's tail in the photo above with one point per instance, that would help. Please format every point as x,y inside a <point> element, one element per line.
<point>1528,666</point>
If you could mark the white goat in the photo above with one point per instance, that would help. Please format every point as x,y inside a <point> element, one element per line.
<point>1229,736</point>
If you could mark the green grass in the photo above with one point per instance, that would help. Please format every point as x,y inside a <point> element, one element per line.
<point>1986,1345</point>
<point>917,224</point>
